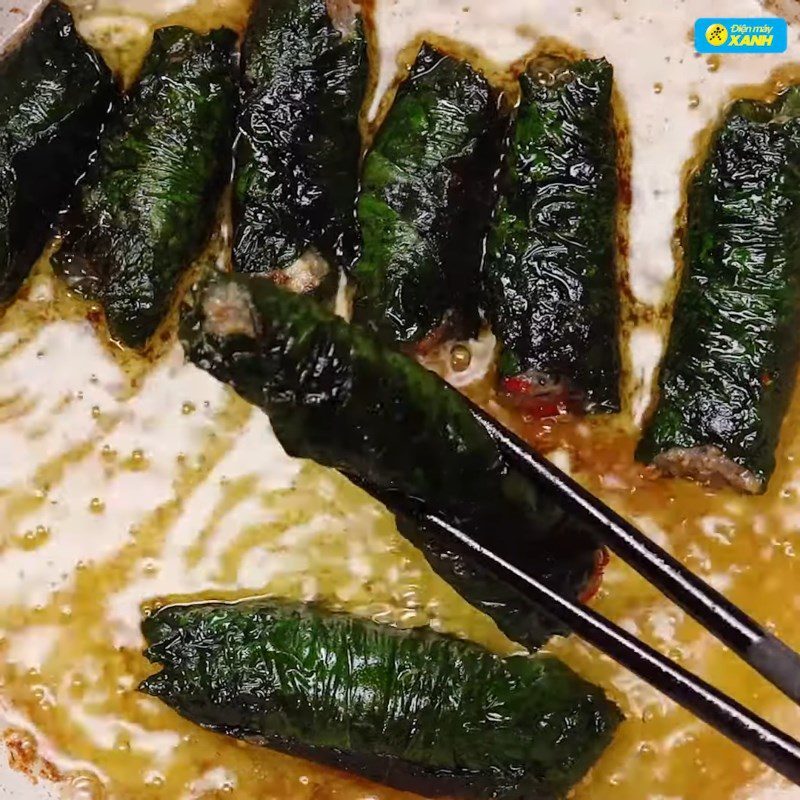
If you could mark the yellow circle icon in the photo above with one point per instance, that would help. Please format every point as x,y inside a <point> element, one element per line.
<point>716,34</point>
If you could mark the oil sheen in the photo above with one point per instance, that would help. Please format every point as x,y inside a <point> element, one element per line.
<point>128,481</point>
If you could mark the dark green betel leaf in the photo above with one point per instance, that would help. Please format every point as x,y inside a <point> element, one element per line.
<point>732,355</point>
<point>414,709</point>
<point>148,204</point>
<point>425,202</point>
<point>334,394</point>
<point>512,611</point>
<point>550,275</point>
<point>304,80</point>
<point>55,93</point>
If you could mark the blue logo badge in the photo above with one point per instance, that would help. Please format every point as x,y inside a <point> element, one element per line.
<point>741,35</point>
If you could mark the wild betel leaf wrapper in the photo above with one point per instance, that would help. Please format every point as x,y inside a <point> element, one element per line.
<point>412,709</point>
<point>55,94</point>
<point>336,395</point>
<point>297,159</point>
<point>425,202</point>
<point>550,274</point>
<point>730,364</point>
<point>148,204</point>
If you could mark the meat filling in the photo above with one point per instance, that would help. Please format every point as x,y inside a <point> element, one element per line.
<point>709,465</point>
<point>343,15</point>
<point>305,276</point>
<point>228,311</point>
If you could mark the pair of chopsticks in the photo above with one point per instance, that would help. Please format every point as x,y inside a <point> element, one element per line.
<point>750,641</point>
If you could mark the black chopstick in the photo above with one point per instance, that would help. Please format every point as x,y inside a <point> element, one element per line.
<point>763,740</point>
<point>765,653</point>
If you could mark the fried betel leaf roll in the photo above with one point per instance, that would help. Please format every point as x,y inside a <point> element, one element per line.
<point>150,199</point>
<point>55,93</point>
<point>512,610</point>
<point>334,394</point>
<point>550,273</point>
<point>413,709</point>
<point>297,159</point>
<point>733,349</point>
<point>425,204</point>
